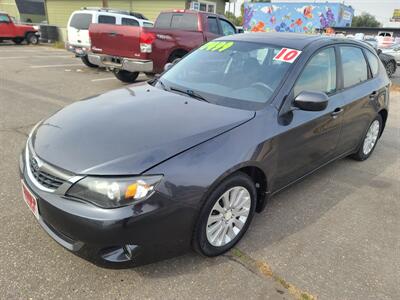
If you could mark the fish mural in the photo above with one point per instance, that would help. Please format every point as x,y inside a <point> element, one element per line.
<point>295,17</point>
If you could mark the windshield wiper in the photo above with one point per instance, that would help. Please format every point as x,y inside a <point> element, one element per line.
<point>158,80</point>
<point>190,93</point>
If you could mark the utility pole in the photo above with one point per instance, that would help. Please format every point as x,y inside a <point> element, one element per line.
<point>105,3</point>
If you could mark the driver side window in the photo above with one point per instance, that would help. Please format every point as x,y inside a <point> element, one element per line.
<point>4,19</point>
<point>319,75</point>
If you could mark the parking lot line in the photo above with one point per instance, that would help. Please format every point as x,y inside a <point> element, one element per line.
<point>103,79</point>
<point>36,56</point>
<point>56,66</point>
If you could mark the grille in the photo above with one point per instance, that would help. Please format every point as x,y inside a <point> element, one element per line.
<point>47,180</point>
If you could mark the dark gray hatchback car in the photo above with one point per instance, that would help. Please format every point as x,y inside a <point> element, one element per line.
<point>144,173</point>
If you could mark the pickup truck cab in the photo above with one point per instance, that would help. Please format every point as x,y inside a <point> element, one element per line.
<point>78,27</point>
<point>130,50</point>
<point>9,30</point>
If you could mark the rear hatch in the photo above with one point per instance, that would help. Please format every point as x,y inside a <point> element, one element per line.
<point>117,40</point>
<point>78,29</point>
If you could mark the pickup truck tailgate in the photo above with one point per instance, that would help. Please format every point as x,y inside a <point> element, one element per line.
<point>116,40</point>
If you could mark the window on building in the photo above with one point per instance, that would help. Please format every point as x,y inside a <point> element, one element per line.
<point>103,19</point>
<point>129,22</point>
<point>227,28</point>
<point>205,6</point>
<point>212,25</point>
<point>81,21</point>
<point>373,63</point>
<point>319,74</point>
<point>354,66</point>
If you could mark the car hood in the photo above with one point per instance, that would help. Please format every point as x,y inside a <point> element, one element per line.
<point>129,130</point>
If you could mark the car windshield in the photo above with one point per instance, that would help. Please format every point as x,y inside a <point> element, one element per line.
<point>236,74</point>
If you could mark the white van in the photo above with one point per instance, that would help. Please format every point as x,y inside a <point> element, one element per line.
<point>78,40</point>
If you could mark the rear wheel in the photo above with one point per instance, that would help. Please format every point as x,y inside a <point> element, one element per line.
<point>126,76</point>
<point>18,41</point>
<point>32,38</point>
<point>86,61</point>
<point>225,216</point>
<point>370,140</point>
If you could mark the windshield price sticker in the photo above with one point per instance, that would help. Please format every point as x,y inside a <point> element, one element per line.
<point>217,46</point>
<point>287,55</point>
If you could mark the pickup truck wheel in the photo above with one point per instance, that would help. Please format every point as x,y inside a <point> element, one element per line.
<point>18,41</point>
<point>126,76</point>
<point>32,38</point>
<point>86,61</point>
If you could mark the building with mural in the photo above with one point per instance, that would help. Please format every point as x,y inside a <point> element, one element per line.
<point>303,17</point>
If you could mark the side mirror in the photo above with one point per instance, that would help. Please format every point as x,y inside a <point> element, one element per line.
<point>379,51</point>
<point>171,64</point>
<point>311,101</point>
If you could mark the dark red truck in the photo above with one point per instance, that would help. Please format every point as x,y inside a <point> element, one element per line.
<point>129,50</point>
<point>17,32</point>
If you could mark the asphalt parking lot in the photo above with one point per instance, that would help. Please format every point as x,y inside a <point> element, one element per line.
<point>335,235</point>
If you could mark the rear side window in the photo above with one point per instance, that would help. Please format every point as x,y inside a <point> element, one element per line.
<point>106,19</point>
<point>227,28</point>
<point>129,22</point>
<point>163,20</point>
<point>81,21</point>
<point>373,63</point>
<point>319,74</point>
<point>184,21</point>
<point>147,24</point>
<point>4,19</point>
<point>212,25</point>
<point>354,66</point>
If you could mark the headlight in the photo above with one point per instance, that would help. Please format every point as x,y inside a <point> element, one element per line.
<point>114,192</point>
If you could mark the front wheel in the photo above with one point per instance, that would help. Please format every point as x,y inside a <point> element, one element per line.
<point>87,63</point>
<point>126,76</point>
<point>225,216</point>
<point>370,140</point>
<point>32,38</point>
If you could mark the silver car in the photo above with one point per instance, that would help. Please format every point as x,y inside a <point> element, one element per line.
<point>393,50</point>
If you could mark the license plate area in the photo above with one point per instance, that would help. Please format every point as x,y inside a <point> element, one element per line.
<point>30,200</point>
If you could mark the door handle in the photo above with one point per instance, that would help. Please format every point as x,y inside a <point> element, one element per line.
<point>113,33</point>
<point>373,95</point>
<point>337,112</point>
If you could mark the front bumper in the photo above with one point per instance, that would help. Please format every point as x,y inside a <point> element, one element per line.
<point>133,235</point>
<point>120,63</point>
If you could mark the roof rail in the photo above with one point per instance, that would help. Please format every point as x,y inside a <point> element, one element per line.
<point>118,11</point>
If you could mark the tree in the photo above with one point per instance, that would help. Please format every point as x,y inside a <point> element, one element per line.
<point>365,20</point>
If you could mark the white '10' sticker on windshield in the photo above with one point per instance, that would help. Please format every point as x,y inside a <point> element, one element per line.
<point>287,55</point>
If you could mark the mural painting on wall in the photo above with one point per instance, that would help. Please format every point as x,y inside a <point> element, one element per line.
<point>295,17</point>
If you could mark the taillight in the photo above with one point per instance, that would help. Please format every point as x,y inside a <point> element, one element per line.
<point>146,39</point>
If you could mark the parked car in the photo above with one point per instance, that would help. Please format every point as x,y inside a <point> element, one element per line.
<point>78,27</point>
<point>147,172</point>
<point>394,51</point>
<point>9,30</point>
<point>131,50</point>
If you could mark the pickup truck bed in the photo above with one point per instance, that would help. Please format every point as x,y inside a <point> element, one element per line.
<point>129,49</point>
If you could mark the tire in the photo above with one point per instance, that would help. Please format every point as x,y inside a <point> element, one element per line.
<point>126,76</point>
<point>86,61</point>
<point>390,68</point>
<point>365,151</point>
<point>18,41</point>
<point>211,221</point>
<point>32,38</point>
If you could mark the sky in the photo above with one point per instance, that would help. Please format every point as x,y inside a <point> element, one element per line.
<point>381,9</point>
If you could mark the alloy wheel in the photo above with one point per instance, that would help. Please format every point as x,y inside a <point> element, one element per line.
<point>371,137</point>
<point>228,216</point>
